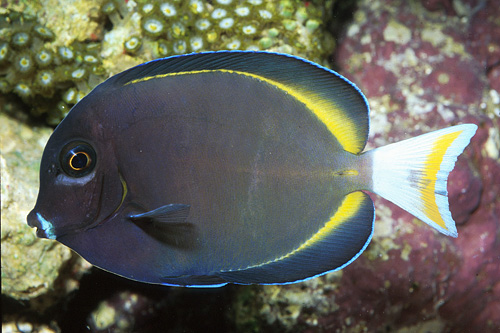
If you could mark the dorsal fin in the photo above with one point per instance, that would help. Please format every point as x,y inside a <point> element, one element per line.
<point>337,102</point>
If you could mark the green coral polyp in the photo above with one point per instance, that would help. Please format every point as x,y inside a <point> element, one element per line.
<point>23,90</point>
<point>44,58</point>
<point>265,42</point>
<point>21,39</point>
<point>289,25</point>
<point>178,30</point>
<point>45,81</point>
<point>59,112</point>
<point>312,25</point>
<point>265,14</point>
<point>219,13</point>
<point>168,9</point>
<point>43,32</point>
<point>66,54</point>
<point>132,45</point>
<point>226,23</point>
<point>90,59</point>
<point>196,43</point>
<point>242,11</point>
<point>69,96</point>
<point>98,70</point>
<point>196,7</point>
<point>147,9</point>
<point>4,52</point>
<point>203,24</point>
<point>249,29</point>
<point>153,27</point>
<point>162,48</point>
<point>180,47</point>
<point>234,45</point>
<point>79,74</point>
<point>24,64</point>
<point>4,86</point>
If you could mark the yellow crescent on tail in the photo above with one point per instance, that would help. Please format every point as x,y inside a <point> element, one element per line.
<point>413,173</point>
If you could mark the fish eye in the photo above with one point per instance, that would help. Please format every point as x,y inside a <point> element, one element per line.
<point>77,159</point>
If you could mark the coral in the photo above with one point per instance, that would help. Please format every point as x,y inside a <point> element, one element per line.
<point>145,30</point>
<point>39,72</point>
<point>158,28</point>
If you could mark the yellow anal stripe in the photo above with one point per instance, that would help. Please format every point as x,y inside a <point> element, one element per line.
<point>429,177</point>
<point>349,208</point>
<point>335,119</point>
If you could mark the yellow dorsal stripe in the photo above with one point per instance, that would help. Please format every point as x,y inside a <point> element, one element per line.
<point>432,166</point>
<point>337,121</point>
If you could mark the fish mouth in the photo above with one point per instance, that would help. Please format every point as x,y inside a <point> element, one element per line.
<point>44,228</point>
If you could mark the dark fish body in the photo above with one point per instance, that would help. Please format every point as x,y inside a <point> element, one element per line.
<point>241,167</point>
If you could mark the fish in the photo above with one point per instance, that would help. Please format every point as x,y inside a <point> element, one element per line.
<point>243,167</point>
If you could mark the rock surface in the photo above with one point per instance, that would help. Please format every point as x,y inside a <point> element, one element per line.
<point>30,265</point>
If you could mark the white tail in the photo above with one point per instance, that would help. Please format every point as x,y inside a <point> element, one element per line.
<point>413,173</point>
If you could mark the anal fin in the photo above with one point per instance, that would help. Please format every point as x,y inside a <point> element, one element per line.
<point>342,239</point>
<point>194,281</point>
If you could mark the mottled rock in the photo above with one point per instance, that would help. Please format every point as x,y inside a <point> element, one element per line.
<point>29,265</point>
<point>125,312</point>
<point>438,82</point>
<point>32,268</point>
<point>465,186</point>
<point>437,5</point>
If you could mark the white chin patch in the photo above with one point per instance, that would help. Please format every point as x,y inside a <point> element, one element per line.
<point>72,181</point>
<point>47,226</point>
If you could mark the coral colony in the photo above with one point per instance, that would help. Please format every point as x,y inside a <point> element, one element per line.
<point>50,78</point>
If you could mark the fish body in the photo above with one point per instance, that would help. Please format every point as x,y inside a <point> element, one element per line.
<point>231,167</point>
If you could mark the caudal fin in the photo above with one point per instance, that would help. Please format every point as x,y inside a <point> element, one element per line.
<point>413,173</point>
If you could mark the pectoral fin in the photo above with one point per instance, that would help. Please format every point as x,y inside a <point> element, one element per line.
<point>173,213</point>
<point>168,224</point>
